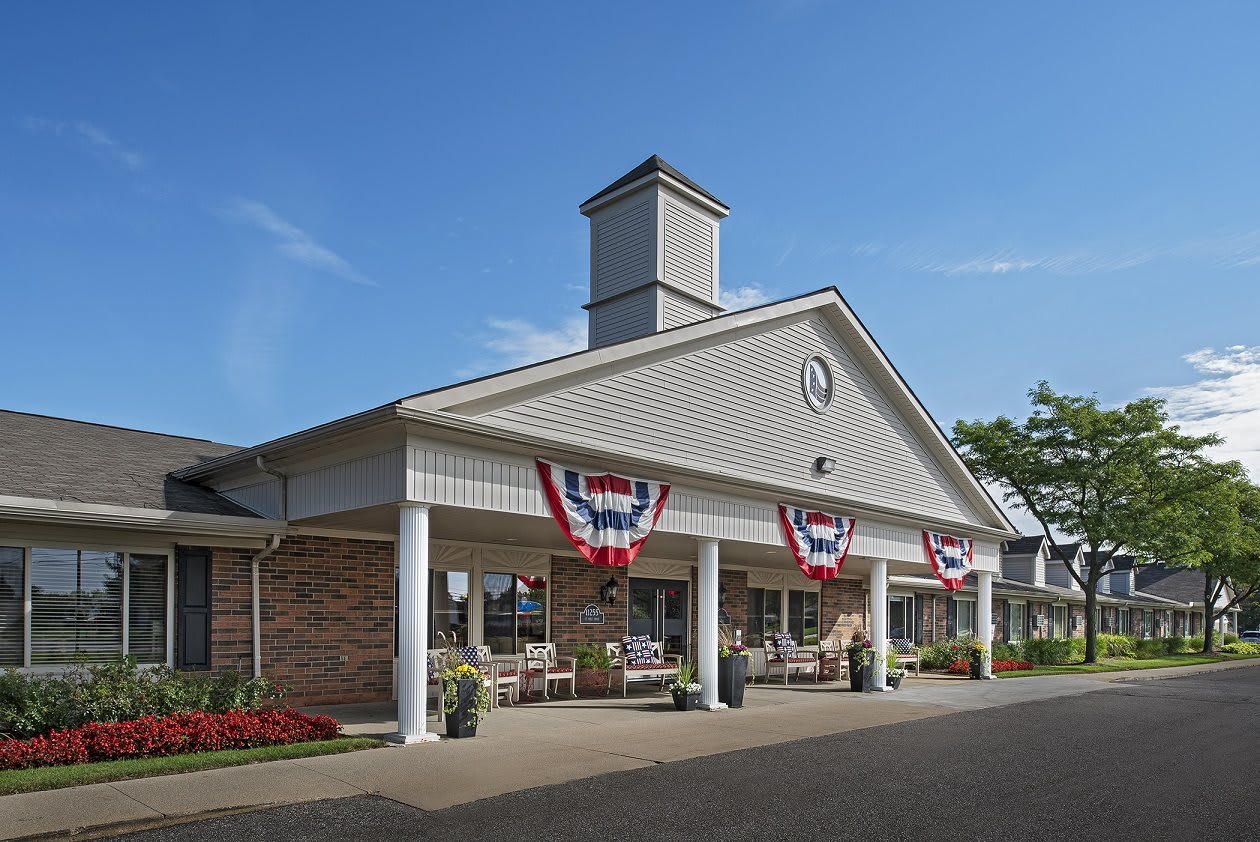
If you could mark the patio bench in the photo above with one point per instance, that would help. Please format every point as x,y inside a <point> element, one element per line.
<point>659,667</point>
<point>783,656</point>
<point>904,651</point>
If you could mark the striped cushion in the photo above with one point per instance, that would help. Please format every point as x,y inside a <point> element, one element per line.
<point>637,649</point>
<point>654,665</point>
<point>784,645</point>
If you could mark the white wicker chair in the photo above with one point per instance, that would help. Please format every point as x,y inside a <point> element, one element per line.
<point>541,658</point>
<point>506,672</point>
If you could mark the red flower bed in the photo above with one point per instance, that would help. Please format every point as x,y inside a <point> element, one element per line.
<point>159,736</point>
<point>964,667</point>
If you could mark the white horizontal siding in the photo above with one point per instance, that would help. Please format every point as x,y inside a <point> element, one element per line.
<point>261,497</point>
<point>367,481</point>
<point>629,317</point>
<point>622,253</point>
<point>738,407</point>
<point>510,484</point>
<point>689,254</point>
<point>680,311</point>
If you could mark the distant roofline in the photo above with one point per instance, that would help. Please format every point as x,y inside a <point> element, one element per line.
<point>116,427</point>
<point>655,163</point>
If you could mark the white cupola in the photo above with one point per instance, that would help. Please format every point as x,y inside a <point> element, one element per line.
<point>654,253</point>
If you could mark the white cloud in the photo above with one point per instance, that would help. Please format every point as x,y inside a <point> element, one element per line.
<point>787,252</point>
<point>519,342</point>
<point>1225,400</point>
<point>1003,262</point>
<point>741,298</point>
<point>93,136</point>
<point>293,242</point>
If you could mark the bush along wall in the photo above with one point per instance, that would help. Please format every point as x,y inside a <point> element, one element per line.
<point>160,736</point>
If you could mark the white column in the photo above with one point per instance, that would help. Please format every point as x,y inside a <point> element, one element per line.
<point>707,616</point>
<point>413,630</point>
<point>984,607</point>
<point>879,621</point>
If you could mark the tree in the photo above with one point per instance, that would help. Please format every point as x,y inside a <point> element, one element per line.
<point>1106,478</point>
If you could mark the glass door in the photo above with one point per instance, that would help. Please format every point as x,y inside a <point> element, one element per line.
<point>660,609</point>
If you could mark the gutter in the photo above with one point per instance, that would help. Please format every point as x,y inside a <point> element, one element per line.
<point>255,601</point>
<point>284,484</point>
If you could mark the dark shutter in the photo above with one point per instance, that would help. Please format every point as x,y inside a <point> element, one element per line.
<point>1027,621</point>
<point>951,616</point>
<point>192,575</point>
<point>1006,621</point>
<point>918,618</point>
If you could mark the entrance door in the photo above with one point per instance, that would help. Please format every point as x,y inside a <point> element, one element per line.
<point>660,609</point>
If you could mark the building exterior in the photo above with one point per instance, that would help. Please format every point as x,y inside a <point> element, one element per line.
<point>332,558</point>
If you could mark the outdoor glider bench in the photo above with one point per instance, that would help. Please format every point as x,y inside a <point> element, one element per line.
<point>639,658</point>
<point>783,656</point>
<point>905,652</point>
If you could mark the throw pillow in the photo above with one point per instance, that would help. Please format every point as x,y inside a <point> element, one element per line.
<point>637,649</point>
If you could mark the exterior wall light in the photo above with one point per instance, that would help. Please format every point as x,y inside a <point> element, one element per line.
<point>721,594</point>
<point>824,464</point>
<point>608,591</point>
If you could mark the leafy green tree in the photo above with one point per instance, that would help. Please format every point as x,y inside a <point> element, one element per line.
<point>1108,478</point>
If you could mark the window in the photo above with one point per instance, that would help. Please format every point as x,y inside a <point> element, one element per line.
<point>1122,621</point>
<point>900,617</point>
<point>1017,615</point>
<point>89,605</point>
<point>1060,621</point>
<point>514,611</point>
<point>764,607</point>
<point>965,624</point>
<point>448,595</point>
<point>803,617</point>
<point>1148,623</point>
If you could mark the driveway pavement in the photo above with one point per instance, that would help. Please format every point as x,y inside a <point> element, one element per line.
<point>571,742</point>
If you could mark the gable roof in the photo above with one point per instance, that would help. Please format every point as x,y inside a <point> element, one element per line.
<point>654,164</point>
<point>1025,545</point>
<point>1170,582</point>
<point>60,459</point>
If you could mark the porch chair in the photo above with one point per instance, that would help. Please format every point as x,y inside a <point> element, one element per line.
<point>506,671</point>
<point>904,650</point>
<point>541,659</point>
<point>783,656</point>
<point>831,655</point>
<point>640,656</point>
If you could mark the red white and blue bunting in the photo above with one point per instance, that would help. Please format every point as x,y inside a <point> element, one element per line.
<point>819,541</point>
<point>951,558</point>
<point>607,517</point>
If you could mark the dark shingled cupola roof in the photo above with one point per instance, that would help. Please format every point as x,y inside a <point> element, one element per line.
<point>654,164</point>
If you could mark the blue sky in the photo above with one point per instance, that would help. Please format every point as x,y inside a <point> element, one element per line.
<point>238,220</point>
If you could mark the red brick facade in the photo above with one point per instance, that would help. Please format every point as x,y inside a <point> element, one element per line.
<point>575,584</point>
<point>327,617</point>
<point>842,608</point>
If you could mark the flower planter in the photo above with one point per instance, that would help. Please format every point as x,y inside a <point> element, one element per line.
<point>894,681</point>
<point>459,723</point>
<point>977,667</point>
<point>685,701</point>
<point>592,684</point>
<point>732,676</point>
<point>859,676</point>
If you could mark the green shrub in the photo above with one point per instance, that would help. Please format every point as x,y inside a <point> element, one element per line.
<point>1117,646</point>
<point>1230,637</point>
<point>1240,648</point>
<point>1151,648</point>
<point>1077,650</point>
<point>1050,651</point>
<point>119,691</point>
<point>592,657</point>
<point>939,655</point>
<point>1007,652</point>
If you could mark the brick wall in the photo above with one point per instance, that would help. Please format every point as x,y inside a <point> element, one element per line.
<point>736,604</point>
<point>326,607</point>
<point>843,609</point>
<point>1075,611</point>
<point>1042,608</point>
<point>574,584</point>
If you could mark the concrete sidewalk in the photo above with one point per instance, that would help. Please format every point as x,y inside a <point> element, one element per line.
<point>523,747</point>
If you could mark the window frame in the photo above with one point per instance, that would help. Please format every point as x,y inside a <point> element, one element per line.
<point>126,551</point>
<point>972,614</point>
<point>1054,622</point>
<point>1015,631</point>
<point>781,614</point>
<point>805,593</point>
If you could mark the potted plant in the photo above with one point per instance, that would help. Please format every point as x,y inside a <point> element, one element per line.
<point>861,659</point>
<point>685,689</point>
<point>733,661</point>
<point>465,699</point>
<point>894,673</point>
<point>594,666</point>
<point>977,652</point>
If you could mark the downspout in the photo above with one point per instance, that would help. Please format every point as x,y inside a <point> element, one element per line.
<point>255,600</point>
<point>256,614</point>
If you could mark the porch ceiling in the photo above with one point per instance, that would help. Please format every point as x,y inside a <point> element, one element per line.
<point>514,530</point>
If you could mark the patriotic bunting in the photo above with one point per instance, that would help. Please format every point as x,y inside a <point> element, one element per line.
<point>605,516</point>
<point>951,558</point>
<point>819,541</point>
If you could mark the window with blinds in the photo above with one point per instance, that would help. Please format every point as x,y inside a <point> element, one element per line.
<point>76,605</point>
<point>12,595</point>
<point>146,608</point>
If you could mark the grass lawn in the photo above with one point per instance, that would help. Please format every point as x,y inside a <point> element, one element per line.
<point>1122,664</point>
<point>56,777</point>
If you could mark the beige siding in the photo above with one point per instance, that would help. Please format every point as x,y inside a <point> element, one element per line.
<point>738,407</point>
<point>368,481</point>
<point>624,318</point>
<point>683,311</point>
<point>622,257</point>
<point>688,251</point>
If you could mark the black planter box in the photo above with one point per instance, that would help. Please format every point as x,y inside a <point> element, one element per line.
<point>457,723</point>
<point>977,668</point>
<point>732,675</point>
<point>685,701</point>
<point>859,676</point>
